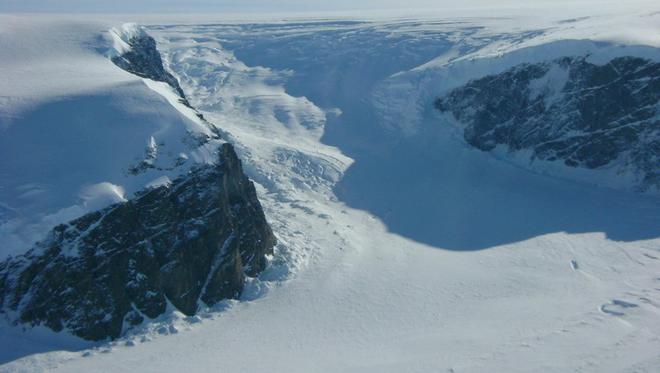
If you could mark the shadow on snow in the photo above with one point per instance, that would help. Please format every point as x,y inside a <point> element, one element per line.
<point>431,188</point>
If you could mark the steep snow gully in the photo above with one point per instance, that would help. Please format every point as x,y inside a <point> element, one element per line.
<point>400,247</point>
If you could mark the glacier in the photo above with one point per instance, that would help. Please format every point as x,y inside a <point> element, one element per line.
<point>400,247</point>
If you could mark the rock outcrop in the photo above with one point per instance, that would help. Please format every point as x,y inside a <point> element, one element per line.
<point>570,110</point>
<point>142,58</point>
<point>187,243</point>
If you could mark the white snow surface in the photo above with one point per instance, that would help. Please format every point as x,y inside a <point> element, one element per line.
<point>72,124</point>
<point>400,248</point>
<point>121,36</point>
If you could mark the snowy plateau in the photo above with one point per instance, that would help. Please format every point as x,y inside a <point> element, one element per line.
<point>403,244</point>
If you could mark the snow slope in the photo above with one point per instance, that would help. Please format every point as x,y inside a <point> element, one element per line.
<point>73,125</point>
<point>401,249</point>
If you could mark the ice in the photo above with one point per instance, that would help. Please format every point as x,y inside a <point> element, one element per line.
<point>400,248</point>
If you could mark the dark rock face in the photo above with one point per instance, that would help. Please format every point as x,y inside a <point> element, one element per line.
<point>98,275</point>
<point>144,60</point>
<point>569,109</point>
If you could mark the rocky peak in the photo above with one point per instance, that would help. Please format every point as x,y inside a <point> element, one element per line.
<point>187,243</point>
<point>141,57</point>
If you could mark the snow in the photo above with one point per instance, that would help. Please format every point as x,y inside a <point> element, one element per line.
<point>159,181</point>
<point>400,248</point>
<point>550,85</point>
<point>99,195</point>
<point>72,123</point>
<point>121,37</point>
<point>402,101</point>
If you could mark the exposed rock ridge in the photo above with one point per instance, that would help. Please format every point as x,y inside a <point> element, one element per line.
<point>586,115</point>
<point>143,59</point>
<point>190,242</point>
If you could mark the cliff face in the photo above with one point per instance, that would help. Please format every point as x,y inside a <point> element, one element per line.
<point>142,58</point>
<point>189,242</point>
<point>571,110</point>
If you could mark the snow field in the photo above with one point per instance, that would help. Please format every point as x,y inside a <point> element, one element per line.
<point>396,254</point>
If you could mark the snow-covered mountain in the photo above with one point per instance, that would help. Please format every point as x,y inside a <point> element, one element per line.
<point>180,246</point>
<point>401,246</point>
<point>572,110</point>
<point>183,244</point>
<point>76,127</point>
<point>135,51</point>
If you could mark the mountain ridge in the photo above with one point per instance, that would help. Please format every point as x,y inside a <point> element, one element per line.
<point>569,110</point>
<point>187,242</point>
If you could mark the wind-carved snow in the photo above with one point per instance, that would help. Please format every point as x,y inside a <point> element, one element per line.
<point>103,194</point>
<point>400,248</point>
<point>121,36</point>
